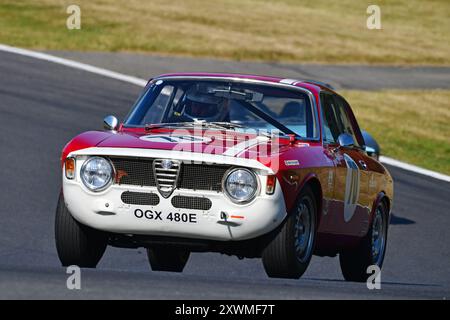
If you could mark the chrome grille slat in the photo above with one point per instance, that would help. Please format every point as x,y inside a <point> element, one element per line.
<point>166,170</point>
<point>164,182</point>
<point>166,175</point>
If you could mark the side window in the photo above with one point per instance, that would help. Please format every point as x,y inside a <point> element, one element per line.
<point>331,128</point>
<point>343,119</point>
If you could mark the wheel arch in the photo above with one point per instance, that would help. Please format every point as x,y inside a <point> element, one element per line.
<point>381,197</point>
<point>313,182</point>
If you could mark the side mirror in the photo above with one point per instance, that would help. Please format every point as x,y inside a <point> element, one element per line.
<point>371,152</point>
<point>346,141</point>
<point>110,123</point>
<point>372,148</point>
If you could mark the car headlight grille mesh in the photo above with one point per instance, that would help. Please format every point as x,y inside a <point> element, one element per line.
<point>196,203</point>
<point>140,198</point>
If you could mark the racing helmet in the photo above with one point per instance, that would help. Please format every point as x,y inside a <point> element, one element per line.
<point>205,106</point>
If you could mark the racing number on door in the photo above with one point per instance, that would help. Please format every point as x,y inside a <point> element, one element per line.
<point>352,184</point>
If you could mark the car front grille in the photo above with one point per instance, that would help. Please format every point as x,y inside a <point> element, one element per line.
<point>166,177</point>
<point>139,172</point>
<point>140,198</point>
<point>196,203</point>
<point>133,171</point>
<point>202,177</point>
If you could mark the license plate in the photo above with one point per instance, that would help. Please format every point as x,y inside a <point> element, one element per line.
<point>157,215</point>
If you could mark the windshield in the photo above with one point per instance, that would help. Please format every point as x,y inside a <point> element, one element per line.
<point>234,104</point>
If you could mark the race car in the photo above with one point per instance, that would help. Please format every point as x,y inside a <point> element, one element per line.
<point>252,166</point>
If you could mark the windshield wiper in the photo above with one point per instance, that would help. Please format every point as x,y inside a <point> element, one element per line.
<point>166,125</point>
<point>231,125</point>
<point>214,124</point>
<point>228,125</point>
<point>217,125</point>
<point>272,134</point>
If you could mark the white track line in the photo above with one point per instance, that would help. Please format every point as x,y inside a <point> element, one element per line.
<point>413,168</point>
<point>142,83</point>
<point>74,64</point>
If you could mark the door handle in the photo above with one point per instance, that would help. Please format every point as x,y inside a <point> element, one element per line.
<point>363,164</point>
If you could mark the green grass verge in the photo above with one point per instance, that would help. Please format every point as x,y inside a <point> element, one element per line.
<point>318,31</point>
<point>412,126</point>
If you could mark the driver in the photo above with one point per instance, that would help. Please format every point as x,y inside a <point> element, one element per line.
<point>206,107</point>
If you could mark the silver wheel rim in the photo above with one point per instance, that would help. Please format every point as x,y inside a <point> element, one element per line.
<point>378,237</point>
<point>304,235</point>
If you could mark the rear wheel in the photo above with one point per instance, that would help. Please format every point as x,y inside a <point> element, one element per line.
<point>371,250</point>
<point>167,259</point>
<point>289,253</point>
<point>77,244</point>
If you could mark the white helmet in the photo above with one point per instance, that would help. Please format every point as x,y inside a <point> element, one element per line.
<point>204,106</point>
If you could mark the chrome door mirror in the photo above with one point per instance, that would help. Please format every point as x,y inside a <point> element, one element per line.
<point>372,148</point>
<point>346,141</point>
<point>371,152</point>
<point>110,123</point>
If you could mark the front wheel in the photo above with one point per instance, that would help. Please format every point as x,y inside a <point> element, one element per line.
<point>371,250</point>
<point>289,253</point>
<point>167,259</point>
<point>77,244</point>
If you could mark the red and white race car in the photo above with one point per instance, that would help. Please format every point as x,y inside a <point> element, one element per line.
<point>243,165</point>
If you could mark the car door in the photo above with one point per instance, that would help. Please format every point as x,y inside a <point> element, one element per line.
<point>348,213</point>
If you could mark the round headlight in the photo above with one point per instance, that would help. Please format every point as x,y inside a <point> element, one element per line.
<point>241,185</point>
<point>97,173</point>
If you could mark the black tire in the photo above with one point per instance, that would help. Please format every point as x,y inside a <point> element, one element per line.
<point>354,263</point>
<point>77,244</point>
<point>167,259</point>
<point>280,257</point>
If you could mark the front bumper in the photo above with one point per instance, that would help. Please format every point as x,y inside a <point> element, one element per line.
<point>224,221</point>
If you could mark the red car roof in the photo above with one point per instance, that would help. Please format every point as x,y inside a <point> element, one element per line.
<point>308,84</point>
<point>223,75</point>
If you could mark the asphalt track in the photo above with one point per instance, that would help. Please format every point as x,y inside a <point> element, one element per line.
<point>43,105</point>
<point>359,77</point>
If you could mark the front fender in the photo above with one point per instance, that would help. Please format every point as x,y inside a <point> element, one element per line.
<point>82,141</point>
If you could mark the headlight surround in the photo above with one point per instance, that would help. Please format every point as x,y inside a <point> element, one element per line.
<point>241,185</point>
<point>97,173</point>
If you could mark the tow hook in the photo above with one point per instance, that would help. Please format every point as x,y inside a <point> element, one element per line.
<point>232,220</point>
